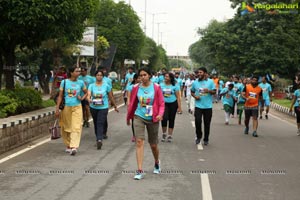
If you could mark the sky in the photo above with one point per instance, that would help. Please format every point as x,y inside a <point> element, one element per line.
<point>176,21</point>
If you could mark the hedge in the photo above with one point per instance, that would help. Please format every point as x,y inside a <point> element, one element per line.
<point>18,101</point>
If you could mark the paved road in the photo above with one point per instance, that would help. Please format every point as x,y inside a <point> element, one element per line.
<point>233,166</point>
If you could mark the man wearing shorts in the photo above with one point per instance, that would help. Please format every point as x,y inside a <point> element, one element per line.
<point>267,97</point>
<point>252,93</point>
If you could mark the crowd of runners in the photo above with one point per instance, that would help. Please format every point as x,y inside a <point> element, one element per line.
<point>153,99</point>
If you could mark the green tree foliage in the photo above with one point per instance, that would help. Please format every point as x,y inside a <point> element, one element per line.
<point>257,42</point>
<point>28,23</point>
<point>119,24</point>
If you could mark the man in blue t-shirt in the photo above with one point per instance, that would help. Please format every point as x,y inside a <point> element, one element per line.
<point>267,97</point>
<point>87,79</point>
<point>203,90</point>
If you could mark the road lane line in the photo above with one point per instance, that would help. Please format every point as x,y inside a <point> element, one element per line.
<point>193,123</point>
<point>23,151</point>
<point>36,145</point>
<point>200,147</point>
<point>206,191</point>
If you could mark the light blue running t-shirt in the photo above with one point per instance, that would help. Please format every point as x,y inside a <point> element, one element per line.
<point>169,92</point>
<point>99,95</point>
<point>72,90</point>
<point>145,101</point>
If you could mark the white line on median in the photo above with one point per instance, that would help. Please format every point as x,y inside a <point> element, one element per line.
<point>206,191</point>
<point>36,145</point>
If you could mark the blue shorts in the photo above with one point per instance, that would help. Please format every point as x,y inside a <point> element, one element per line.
<point>264,102</point>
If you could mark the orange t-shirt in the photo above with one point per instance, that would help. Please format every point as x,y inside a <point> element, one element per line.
<point>216,81</point>
<point>253,94</point>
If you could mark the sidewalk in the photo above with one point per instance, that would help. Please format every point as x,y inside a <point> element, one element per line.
<point>28,116</point>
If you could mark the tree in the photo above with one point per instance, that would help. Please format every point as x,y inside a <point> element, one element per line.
<point>250,43</point>
<point>119,24</point>
<point>28,23</point>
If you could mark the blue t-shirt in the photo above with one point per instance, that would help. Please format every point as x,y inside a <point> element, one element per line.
<point>129,87</point>
<point>87,80</point>
<point>179,82</point>
<point>221,84</point>
<point>235,88</point>
<point>228,97</point>
<point>240,98</point>
<point>154,79</point>
<point>99,95</point>
<point>266,88</point>
<point>145,101</point>
<point>72,90</point>
<point>297,96</point>
<point>107,80</point>
<point>206,99</point>
<point>169,92</point>
<point>161,78</point>
<point>129,77</point>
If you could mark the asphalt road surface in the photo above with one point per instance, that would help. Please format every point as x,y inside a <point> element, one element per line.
<point>233,166</point>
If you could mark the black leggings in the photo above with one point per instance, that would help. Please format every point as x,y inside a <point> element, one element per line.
<point>297,111</point>
<point>170,114</point>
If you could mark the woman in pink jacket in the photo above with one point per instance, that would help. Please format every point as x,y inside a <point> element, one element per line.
<point>146,106</point>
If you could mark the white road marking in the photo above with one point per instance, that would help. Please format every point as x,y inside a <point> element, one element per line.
<point>193,123</point>
<point>206,191</point>
<point>38,144</point>
<point>23,151</point>
<point>282,120</point>
<point>200,147</point>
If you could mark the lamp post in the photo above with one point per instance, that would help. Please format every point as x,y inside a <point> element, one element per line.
<point>158,31</point>
<point>153,15</point>
<point>145,26</point>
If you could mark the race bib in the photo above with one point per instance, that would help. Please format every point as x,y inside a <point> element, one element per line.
<point>252,95</point>
<point>149,111</point>
<point>167,92</point>
<point>98,102</point>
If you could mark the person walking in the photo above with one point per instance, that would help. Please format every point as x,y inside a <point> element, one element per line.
<point>228,100</point>
<point>188,86</point>
<point>136,79</point>
<point>296,104</point>
<point>98,95</point>
<point>241,101</point>
<point>87,79</point>
<point>252,93</point>
<point>267,97</point>
<point>71,116</point>
<point>147,108</point>
<point>171,92</point>
<point>203,90</point>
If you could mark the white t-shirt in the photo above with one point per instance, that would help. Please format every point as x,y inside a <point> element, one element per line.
<point>188,84</point>
<point>227,83</point>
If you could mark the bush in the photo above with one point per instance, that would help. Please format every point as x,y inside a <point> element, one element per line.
<point>117,85</point>
<point>26,99</point>
<point>8,106</point>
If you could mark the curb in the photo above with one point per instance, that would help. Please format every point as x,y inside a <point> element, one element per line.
<point>282,109</point>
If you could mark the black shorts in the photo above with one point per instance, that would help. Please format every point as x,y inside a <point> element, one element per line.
<point>251,112</point>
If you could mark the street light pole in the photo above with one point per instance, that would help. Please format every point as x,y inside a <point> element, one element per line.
<point>145,27</point>
<point>153,15</point>
<point>158,31</point>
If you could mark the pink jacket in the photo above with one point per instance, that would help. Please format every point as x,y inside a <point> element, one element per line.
<point>158,102</point>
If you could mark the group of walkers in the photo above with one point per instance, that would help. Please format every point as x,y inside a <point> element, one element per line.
<point>152,99</point>
<point>83,94</point>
